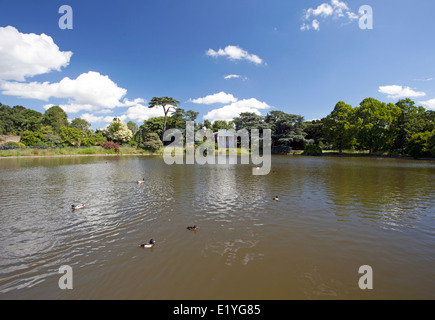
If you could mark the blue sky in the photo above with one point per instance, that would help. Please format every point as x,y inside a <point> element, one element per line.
<point>219,58</point>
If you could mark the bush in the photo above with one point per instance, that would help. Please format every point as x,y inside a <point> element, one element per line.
<point>281,149</point>
<point>12,145</point>
<point>109,145</point>
<point>312,150</point>
<point>151,142</point>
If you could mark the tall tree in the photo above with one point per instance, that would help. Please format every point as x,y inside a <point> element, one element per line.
<point>167,103</point>
<point>338,127</point>
<point>56,118</point>
<point>82,125</point>
<point>133,127</point>
<point>374,123</point>
<point>411,120</point>
<point>287,129</point>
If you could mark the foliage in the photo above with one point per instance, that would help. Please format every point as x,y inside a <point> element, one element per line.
<point>151,142</point>
<point>109,145</point>
<point>421,144</point>
<point>70,136</point>
<point>82,125</point>
<point>287,129</point>
<point>312,150</point>
<point>56,118</point>
<point>338,127</point>
<point>133,127</point>
<point>374,124</point>
<point>118,131</point>
<point>167,103</point>
<point>30,138</point>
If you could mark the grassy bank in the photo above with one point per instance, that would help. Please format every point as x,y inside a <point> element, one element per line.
<point>70,151</point>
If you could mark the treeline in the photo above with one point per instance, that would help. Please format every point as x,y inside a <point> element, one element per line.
<point>397,129</point>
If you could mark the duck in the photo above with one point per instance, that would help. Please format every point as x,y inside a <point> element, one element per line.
<point>194,228</point>
<point>276,198</point>
<point>77,206</point>
<point>149,244</point>
<point>141,181</point>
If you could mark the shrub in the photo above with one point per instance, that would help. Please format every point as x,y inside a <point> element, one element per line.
<point>312,150</point>
<point>109,145</point>
<point>151,142</point>
<point>12,145</point>
<point>281,149</point>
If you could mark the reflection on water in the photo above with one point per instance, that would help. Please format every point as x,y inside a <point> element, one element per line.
<point>334,215</point>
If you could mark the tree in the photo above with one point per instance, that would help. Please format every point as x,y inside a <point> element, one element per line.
<point>222,124</point>
<point>133,127</point>
<point>167,103</point>
<point>118,131</point>
<point>56,118</point>
<point>411,120</point>
<point>31,120</point>
<point>374,124</point>
<point>30,138</point>
<point>338,127</point>
<point>420,144</point>
<point>82,125</point>
<point>287,129</point>
<point>249,121</point>
<point>70,136</point>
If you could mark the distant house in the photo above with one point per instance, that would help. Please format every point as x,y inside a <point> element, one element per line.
<point>9,139</point>
<point>226,138</point>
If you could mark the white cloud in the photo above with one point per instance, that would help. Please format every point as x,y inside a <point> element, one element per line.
<point>430,104</point>
<point>97,119</point>
<point>233,110</point>
<point>235,76</point>
<point>234,53</point>
<point>141,113</point>
<point>397,92</point>
<point>336,9</point>
<point>89,91</point>
<point>27,54</point>
<point>220,97</point>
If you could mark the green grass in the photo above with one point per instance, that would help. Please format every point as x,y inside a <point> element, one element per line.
<point>71,151</point>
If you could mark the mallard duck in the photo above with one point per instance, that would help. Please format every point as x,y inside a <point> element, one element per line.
<point>141,181</point>
<point>77,206</point>
<point>148,245</point>
<point>194,228</point>
<point>276,198</point>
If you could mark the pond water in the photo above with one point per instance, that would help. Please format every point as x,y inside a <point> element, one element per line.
<point>333,216</point>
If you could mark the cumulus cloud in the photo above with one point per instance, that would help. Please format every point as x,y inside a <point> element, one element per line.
<point>25,55</point>
<point>91,118</point>
<point>89,91</point>
<point>336,9</point>
<point>430,104</point>
<point>234,109</point>
<point>141,113</point>
<point>220,97</point>
<point>235,53</point>
<point>397,92</point>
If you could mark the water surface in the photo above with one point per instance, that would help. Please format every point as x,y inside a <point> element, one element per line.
<point>334,215</point>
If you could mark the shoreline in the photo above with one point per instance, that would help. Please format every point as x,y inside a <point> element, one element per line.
<point>81,155</point>
<point>159,154</point>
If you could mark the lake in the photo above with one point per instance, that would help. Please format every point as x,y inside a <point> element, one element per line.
<point>334,215</point>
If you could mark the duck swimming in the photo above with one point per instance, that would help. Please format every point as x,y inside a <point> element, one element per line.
<point>276,198</point>
<point>141,181</point>
<point>77,206</point>
<point>194,228</point>
<point>148,245</point>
